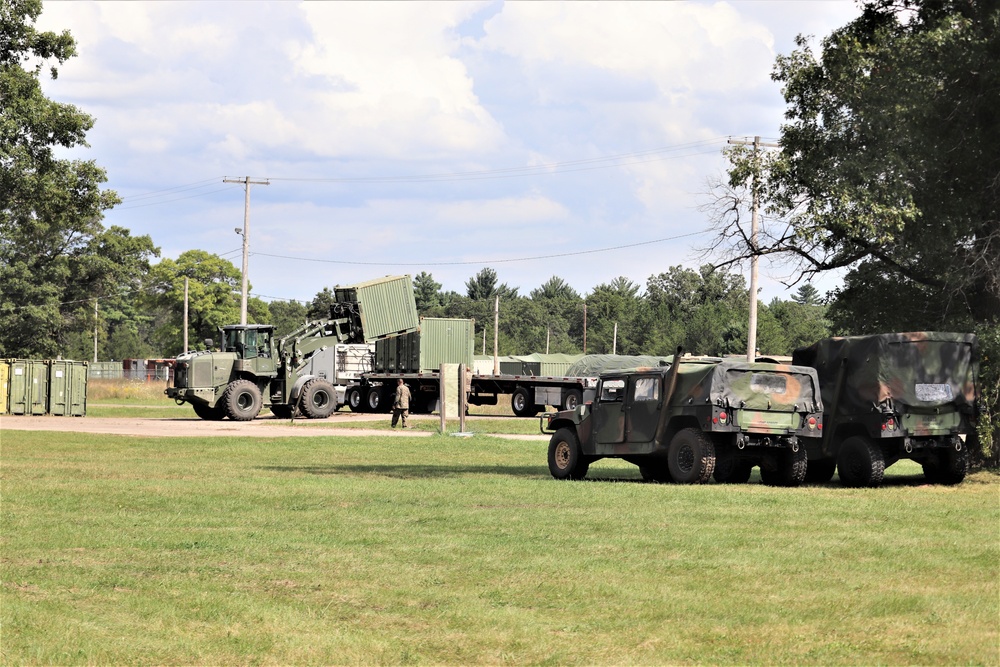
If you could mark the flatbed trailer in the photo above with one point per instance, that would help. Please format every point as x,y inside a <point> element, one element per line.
<point>530,394</point>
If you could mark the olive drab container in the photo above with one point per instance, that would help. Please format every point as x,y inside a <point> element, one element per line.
<point>29,379</point>
<point>68,388</point>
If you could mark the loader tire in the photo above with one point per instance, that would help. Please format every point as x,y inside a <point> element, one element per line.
<point>318,399</point>
<point>242,400</point>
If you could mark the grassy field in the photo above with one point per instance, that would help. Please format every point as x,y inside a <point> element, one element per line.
<point>464,551</point>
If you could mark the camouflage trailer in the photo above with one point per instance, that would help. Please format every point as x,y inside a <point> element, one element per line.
<point>894,396</point>
<point>693,420</point>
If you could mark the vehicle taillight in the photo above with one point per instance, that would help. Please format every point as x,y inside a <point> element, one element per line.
<point>812,423</point>
<point>723,417</point>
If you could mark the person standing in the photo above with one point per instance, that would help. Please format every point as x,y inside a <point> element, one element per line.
<point>401,406</point>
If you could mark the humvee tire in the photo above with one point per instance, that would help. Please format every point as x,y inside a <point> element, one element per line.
<point>242,400</point>
<point>565,459</point>
<point>860,463</point>
<point>691,457</point>
<point>786,468</point>
<point>730,469</point>
<point>948,467</point>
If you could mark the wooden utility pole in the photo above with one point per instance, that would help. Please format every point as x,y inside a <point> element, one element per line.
<point>185,314</point>
<point>246,239</point>
<point>496,331</point>
<point>614,341</point>
<point>585,327</point>
<point>754,254</point>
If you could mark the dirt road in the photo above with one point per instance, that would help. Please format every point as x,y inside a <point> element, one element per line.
<point>264,427</point>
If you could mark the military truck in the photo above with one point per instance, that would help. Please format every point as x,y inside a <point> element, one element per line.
<point>692,420</point>
<point>894,396</point>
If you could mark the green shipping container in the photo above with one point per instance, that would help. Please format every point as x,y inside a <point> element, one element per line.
<point>68,388</point>
<point>28,387</point>
<point>386,306</point>
<point>446,341</point>
<point>4,386</point>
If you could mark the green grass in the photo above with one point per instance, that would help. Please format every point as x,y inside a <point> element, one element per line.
<point>438,550</point>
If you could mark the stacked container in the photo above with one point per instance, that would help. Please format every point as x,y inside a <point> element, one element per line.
<point>439,341</point>
<point>34,387</point>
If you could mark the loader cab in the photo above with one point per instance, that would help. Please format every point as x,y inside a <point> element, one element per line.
<point>251,343</point>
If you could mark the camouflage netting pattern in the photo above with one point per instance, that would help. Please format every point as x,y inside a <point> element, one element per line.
<point>923,369</point>
<point>753,386</point>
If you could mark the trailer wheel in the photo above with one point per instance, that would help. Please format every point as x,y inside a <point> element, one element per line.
<point>565,459</point>
<point>691,457</point>
<point>860,463</point>
<point>522,404</point>
<point>820,471</point>
<point>947,467</point>
<point>209,414</point>
<point>373,401</point>
<point>354,401</point>
<point>318,399</point>
<point>572,399</point>
<point>242,400</point>
<point>784,468</point>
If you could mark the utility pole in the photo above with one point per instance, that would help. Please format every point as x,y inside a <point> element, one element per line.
<point>246,239</point>
<point>185,314</point>
<point>95,330</point>
<point>752,325</point>
<point>496,332</point>
<point>585,327</point>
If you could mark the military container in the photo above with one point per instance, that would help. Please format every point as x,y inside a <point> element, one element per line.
<point>446,340</point>
<point>4,386</point>
<point>106,370</point>
<point>68,388</point>
<point>894,396</point>
<point>399,354</point>
<point>28,387</point>
<point>385,307</point>
<point>556,365</point>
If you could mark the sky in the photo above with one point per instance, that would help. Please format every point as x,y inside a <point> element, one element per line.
<point>538,139</point>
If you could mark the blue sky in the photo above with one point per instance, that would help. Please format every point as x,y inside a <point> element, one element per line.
<point>536,138</point>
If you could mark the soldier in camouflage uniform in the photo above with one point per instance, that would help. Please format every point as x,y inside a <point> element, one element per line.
<point>401,405</point>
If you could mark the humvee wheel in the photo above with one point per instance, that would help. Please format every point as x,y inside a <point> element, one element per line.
<point>318,399</point>
<point>820,471</point>
<point>354,401</point>
<point>691,457</point>
<point>242,400</point>
<point>860,463</point>
<point>947,467</point>
<point>565,459</point>
<point>522,404</point>
<point>731,469</point>
<point>786,468</point>
<point>209,414</point>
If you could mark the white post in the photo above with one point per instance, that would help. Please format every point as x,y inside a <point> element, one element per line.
<point>496,331</point>
<point>185,314</point>
<point>614,344</point>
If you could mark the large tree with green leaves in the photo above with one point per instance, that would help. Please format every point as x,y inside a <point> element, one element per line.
<point>890,158</point>
<point>55,255</point>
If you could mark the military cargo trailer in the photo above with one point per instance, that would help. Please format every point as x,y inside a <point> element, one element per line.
<point>691,421</point>
<point>895,396</point>
<point>416,359</point>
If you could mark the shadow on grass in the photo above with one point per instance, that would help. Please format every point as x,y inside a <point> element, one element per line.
<point>401,471</point>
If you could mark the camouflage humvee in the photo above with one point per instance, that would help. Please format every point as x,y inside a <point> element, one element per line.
<point>694,420</point>
<point>894,396</point>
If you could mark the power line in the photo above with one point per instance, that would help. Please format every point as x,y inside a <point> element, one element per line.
<point>478,262</point>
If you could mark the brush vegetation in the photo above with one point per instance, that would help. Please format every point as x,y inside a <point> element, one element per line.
<point>437,550</point>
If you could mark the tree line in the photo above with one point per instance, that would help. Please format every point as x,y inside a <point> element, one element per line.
<point>888,169</point>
